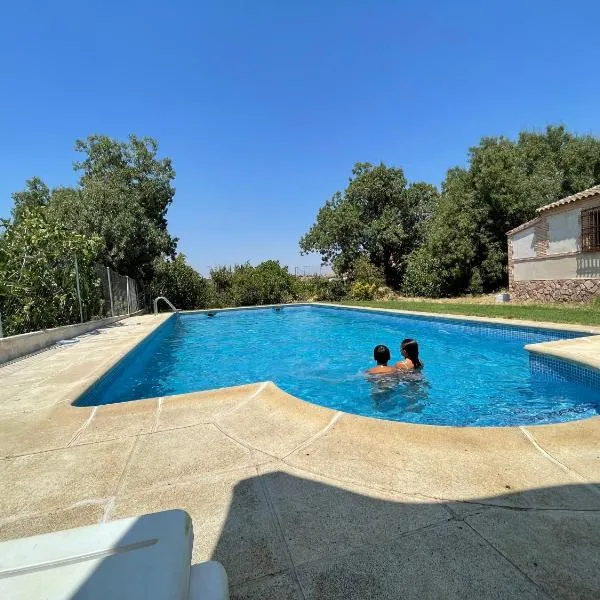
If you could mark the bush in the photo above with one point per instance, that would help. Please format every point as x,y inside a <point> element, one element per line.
<point>37,274</point>
<point>366,272</point>
<point>245,285</point>
<point>180,283</point>
<point>363,291</point>
<point>336,290</point>
<point>320,289</point>
<point>476,283</point>
<point>275,284</point>
<point>423,276</point>
<point>221,282</point>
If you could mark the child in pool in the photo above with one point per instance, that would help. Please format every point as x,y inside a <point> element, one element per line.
<point>381,354</point>
<point>409,348</point>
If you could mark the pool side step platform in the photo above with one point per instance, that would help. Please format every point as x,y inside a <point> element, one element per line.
<point>146,557</point>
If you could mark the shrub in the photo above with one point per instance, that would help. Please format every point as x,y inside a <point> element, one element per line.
<point>336,290</point>
<point>275,284</point>
<point>423,276</point>
<point>245,285</point>
<point>37,274</point>
<point>320,289</point>
<point>363,291</point>
<point>365,271</point>
<point>180,283</point>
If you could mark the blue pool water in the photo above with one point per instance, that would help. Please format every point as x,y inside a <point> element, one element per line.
<point>474,374</point>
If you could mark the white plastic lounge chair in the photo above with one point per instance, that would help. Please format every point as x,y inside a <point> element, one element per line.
<point>145,557</point>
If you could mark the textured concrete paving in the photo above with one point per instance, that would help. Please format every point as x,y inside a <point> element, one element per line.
<point>298,501</point>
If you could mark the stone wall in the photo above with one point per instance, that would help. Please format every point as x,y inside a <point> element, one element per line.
<point>555,290</point>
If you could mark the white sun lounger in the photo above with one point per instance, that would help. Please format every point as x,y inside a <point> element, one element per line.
<point>145,557</point>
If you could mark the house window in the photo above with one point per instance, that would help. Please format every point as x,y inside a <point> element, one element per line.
<point>590,230</point>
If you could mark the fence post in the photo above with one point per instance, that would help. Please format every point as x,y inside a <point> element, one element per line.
<point>112,308</point>
<point>78,290</point>
<point>128,300</point>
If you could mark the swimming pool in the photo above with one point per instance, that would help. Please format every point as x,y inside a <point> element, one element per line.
<point>475,373</point>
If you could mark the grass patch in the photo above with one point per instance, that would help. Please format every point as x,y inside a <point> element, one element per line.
<point>586,314</point>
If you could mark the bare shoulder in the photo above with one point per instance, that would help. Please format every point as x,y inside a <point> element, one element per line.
<point>381,370</point>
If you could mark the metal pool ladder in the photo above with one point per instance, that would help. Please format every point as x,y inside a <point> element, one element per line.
<point>166,300</point>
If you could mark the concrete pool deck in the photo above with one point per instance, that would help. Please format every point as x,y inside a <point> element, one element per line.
<point>299,501</point>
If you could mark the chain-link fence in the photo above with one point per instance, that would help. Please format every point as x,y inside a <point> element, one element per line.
<point>313,271</point>
<point>69,293</point>
<point>120,294</point>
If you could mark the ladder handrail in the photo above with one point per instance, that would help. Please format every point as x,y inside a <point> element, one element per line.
<point>166,300</point>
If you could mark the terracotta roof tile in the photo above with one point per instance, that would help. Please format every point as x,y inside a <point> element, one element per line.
<point>574,198</point>
<point>523,226</point>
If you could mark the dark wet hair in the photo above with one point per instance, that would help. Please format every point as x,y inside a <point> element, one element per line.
<point>381,354</point>
<point>411,347</point>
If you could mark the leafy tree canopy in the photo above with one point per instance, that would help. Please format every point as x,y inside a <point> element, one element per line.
<point>35,195</point>
<point>378,216</point>
<point>123,196</point>
<point>465,247</point>
<point>37,272</point>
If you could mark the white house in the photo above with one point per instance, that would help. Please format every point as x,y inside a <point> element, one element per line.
<point>556,256</point>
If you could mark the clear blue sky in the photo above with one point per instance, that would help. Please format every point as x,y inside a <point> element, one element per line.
<point>265,105</point>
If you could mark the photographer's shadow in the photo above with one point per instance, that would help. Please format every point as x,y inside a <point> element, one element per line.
<point>289,537</point>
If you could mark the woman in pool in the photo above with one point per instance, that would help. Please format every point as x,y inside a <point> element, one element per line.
<point>410,350</point>
<point>381,354</point>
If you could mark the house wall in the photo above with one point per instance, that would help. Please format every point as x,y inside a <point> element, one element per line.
<point>571,266</point>
<point>545,261</point>
<point>523,244</point>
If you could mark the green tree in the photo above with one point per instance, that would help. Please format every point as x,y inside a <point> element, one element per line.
<point>180,283</point>
<point>275,284</point>
<point>36,194</point>
<point>221,281</point>
<point>37,273</point>
<point>378,216</point>
<point>123,195</point>
<point>465,246</point>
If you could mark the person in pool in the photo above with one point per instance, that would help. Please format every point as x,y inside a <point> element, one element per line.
<point>409,348</point>
<point>381,354</point>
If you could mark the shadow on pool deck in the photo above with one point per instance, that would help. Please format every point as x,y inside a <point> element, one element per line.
<point>290,538</point>
<point>286,537</point>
